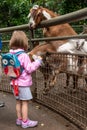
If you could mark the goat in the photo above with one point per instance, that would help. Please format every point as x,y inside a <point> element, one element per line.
<point>38,14</point>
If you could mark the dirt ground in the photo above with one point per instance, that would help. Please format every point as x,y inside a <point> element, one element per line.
<point>48,120</point>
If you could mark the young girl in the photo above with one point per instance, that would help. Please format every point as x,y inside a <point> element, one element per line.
<point>19,42</point>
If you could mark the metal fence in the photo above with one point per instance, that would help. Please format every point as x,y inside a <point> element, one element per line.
<point>66,100</point>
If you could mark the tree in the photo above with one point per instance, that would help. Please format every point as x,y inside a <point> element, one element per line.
<point>13,12</point>
<point>68,6</point>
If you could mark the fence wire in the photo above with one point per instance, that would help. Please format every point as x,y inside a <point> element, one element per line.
<point>66,96</point>
<point>70,100</point>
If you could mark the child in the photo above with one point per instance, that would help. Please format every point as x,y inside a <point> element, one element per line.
<point>19,42</point>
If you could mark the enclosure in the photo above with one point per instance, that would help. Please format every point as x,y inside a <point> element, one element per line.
<point>70,103</point>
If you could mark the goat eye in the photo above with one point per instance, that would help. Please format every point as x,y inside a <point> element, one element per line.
<point>39,14</point>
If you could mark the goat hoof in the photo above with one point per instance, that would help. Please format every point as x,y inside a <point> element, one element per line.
<point>74,90</point>
<point>51,86</point>
<point>44,93</point>
<point>65,87</point>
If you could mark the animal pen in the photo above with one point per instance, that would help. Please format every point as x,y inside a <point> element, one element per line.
<point>68,101</point>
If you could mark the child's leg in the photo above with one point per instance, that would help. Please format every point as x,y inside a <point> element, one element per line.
<point>25,121</point>
<point>25,110</point>
<point>19,109</point>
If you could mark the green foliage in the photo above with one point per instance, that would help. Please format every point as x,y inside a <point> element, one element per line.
<point>68,6</point>
<point>13,12</point>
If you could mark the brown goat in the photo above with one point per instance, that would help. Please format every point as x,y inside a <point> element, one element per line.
<point>38,14</point>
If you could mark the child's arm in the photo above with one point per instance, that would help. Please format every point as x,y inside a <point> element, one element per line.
<point>31,66</point>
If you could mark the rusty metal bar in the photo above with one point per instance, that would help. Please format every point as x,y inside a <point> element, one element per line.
<point>55,38</point>
<point>67,18</point>
<point>60,38</point>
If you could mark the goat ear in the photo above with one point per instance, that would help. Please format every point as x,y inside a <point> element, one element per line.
<point>29,15</point>
<point>35,7</point>
<point>39,12</point>
<point>46,15</point>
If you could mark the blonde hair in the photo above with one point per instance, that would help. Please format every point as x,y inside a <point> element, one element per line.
<point>19,40</point>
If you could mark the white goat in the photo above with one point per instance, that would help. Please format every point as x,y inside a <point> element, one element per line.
<point>73,46</point>
<point>82,46</point>
<point>73,66</point>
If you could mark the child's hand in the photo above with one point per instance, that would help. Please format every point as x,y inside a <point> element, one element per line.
<point>35,57</point>
<point>38,58</point>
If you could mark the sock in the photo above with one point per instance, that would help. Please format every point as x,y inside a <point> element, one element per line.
<point>25,121</point>
<point>19,118</point>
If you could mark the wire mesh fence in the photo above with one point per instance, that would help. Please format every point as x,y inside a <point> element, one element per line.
<point>60,85</point>
<point>69,99</point>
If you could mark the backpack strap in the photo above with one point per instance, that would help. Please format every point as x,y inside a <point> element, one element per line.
<point>15,87</point>
<point>18,53</point>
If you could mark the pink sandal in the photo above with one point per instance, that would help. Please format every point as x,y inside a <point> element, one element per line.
<point>18,121</point>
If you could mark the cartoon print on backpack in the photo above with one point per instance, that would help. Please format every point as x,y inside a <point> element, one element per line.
<point>11,65</point>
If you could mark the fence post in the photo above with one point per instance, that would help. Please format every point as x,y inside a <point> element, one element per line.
<point>34,76</point>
